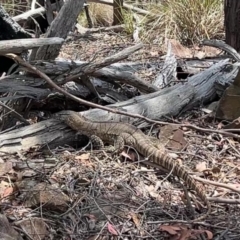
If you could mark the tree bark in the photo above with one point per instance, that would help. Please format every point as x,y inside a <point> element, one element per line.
<point>9,28</point>
<point>232,23</point>
<point>60,27</point>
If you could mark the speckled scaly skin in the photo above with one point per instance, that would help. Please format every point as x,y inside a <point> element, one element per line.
<point>122,133</point>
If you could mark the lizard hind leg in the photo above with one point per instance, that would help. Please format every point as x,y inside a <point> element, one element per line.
<point>99,144</point>
<point>119,144</point>
<point>123,139</point>
<point>96,141</point>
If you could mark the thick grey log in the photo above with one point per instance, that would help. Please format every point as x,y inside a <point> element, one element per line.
<point>50,132</point>
<point>199,89</point>
<point>167,102</point>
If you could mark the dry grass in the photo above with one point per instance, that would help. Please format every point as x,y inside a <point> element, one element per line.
<point>128,20</point>
<point>186,20</point>
<point>101,15</point>
<point>14,7</point>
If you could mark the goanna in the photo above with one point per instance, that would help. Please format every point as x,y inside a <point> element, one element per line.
<point>122,133</point>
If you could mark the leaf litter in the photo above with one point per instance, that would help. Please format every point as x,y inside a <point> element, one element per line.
<point>78,194</point>
<point>123,197</point>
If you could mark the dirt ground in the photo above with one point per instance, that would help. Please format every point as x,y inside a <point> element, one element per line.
<point>70,193</point>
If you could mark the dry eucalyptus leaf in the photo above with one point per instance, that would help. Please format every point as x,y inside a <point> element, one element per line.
<point>34,227</point>
<point>173,230</point>
<point>129,155</point>
<point>172,137</point>
<point>167,133</point>
<point>49,196</point>
<point>177,142</point>
<point>112,229</point>
<point>152,191</point>
<point>137,221</point>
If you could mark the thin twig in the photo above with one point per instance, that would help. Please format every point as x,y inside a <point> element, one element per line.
<point>227,186</point>
<point>16,114</point>
<point>224,200</point>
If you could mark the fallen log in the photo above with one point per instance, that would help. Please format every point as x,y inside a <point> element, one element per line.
<point>20,45</point>
<point>167,102</point>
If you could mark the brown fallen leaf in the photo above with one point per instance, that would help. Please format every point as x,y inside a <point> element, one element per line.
<point>5,189</point>
<point>34,227</point>
<point>172,137</point>
<point>179,50</point>
<point>131,155</point>
<point>154,54</point>
<point>152,191</point>
<point>137,222</point>
<point>185,234</point>
<point>220,125</point>
<point>178,141</point>
<point>8,191</point>
<point>49,196</point>
<point>173,230</point>
<point>196,233</point>
<point>181,232</point>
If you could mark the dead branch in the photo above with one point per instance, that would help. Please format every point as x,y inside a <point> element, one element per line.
<point>90,68</point>
<point>223,46</point>
<point>19,45</point>
<point>223,200</point>
<point>227,186</point>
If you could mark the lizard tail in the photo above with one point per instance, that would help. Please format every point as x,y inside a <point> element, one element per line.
<point>201,193</point>
<point>164,160</point>
<point>180,172</point>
